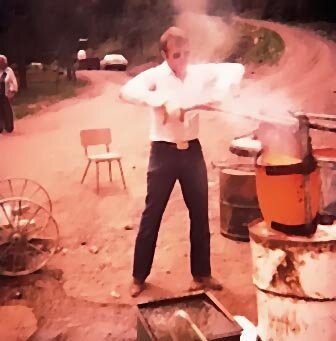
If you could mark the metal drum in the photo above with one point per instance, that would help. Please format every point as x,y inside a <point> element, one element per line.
<point>246,146</point>
<point>326,158</point>
<point>238,200</point>
<point>295,281</point>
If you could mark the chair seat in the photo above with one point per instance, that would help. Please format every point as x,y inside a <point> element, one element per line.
<point>104,157</point>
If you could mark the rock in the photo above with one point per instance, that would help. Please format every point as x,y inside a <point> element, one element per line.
<point>64,251</point>
<point>57,274</point>
<point>256,40</point>
<point>115,294</point>
<point>83,243</point>
<point>59,249</point>
<point>133,167</point>
<point>128,227</point>
<point>18,295</point>
<point>168,272</point>
<point>17,323</point>
<point>102,266</point>
<point>94,249</point>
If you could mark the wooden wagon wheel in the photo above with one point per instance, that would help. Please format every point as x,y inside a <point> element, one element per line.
<point>25,188</point>
<point>28,238</point>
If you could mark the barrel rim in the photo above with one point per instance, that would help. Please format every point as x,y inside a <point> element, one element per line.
<point>234,167</point>
<point>305,167</point>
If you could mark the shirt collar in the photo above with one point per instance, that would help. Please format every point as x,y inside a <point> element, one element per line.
<point>168,71</point>
<point>166,68</point>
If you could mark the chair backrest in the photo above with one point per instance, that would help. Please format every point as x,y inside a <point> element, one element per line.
<point>95,137</point>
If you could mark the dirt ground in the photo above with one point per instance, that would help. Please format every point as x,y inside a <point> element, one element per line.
<point>72,297</point>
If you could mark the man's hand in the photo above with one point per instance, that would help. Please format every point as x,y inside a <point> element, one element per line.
<point>10,94</point>
<point>163,112</point>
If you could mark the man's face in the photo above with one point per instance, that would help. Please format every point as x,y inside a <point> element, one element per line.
<point>3,64</point>
<point>177,56</point>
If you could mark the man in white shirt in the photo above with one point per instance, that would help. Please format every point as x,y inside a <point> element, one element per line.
<point>175,90</point>
<point>8,88</point>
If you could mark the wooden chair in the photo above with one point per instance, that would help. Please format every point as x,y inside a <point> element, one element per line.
<point>95,137</point>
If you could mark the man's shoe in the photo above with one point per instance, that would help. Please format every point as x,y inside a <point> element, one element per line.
<point>212,283</point>
<point>196,285</point>
<point>136,288</point>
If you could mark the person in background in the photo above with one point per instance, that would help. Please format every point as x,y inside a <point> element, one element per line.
<point>174,90</point>
<point>8,88</point>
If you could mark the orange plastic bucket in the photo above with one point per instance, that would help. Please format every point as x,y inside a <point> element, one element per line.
<point>280,183</point>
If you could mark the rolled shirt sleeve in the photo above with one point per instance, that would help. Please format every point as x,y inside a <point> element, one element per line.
<point>142,90</point>
<point>11,82</point>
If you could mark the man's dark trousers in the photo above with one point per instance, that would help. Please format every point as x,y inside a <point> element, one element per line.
<point>166,165</point>
<point>6,115</point>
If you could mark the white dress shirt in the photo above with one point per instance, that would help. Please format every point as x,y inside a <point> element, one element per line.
<point>204,83</point>
<point>10,81</point>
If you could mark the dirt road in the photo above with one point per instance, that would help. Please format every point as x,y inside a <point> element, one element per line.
<point>72,297</point>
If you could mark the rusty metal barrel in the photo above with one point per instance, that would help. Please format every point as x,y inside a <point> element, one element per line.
<point>238,200</point>
<point>295,279</point>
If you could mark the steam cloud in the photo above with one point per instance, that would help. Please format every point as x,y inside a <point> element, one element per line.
<point>211,40</point>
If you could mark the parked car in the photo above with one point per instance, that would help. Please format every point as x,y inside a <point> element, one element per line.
<point>114,62</point>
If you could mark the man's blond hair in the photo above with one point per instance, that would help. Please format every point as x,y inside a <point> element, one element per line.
<point>173,33</point>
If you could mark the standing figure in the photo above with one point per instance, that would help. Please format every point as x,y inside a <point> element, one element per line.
<point>8,88</point>
<point>172,89</point>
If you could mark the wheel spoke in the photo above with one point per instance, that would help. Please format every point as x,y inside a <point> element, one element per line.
<point>24,228</point>
<point>11,187</point>
<point>15,254</point>
<point>23,188</point>
<point>4,252</point>
<point>37,229</point>
<point>35,192</point>
<point>43,239</point>
<point>35,248</point>
<point>6,215</point>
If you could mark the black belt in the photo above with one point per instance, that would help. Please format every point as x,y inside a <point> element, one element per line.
<point>182,145</point>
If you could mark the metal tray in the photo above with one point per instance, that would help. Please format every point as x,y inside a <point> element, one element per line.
<point>230,329</point>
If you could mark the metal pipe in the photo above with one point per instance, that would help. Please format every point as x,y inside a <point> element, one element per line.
<point>179,331</point>
<point>306,150</point>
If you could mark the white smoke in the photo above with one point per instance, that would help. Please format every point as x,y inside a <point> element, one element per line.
<point>211,38</point>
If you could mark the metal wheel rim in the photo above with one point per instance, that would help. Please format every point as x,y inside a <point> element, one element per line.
<point>18,241</point>
<point>39,188</point>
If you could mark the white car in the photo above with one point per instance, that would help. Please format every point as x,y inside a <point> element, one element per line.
<point>114,62</point>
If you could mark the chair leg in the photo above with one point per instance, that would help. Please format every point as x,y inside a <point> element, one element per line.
<point>85,172</point>
<point>122,174</point>
<point>97,176</point>
<point>110,171</point>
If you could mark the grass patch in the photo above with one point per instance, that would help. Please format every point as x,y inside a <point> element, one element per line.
<point>257,45</point>
<point>44,89</point>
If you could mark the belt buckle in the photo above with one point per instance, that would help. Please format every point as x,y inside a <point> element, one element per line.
<point>182,145</point>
